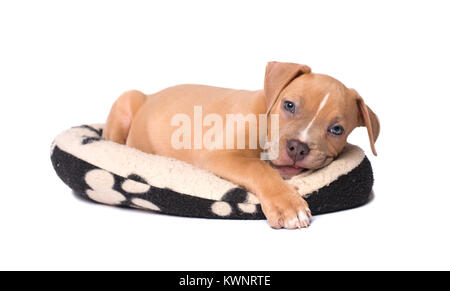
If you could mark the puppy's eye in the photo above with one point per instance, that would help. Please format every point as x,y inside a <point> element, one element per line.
<point>289,106</point>
<point>336,129</point>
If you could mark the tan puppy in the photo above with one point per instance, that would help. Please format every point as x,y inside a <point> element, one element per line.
<point>316,114</point>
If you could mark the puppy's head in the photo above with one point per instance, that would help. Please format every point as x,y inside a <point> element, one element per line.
<point>316,115</point>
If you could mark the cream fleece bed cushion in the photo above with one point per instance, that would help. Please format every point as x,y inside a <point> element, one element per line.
<point>114,174</point>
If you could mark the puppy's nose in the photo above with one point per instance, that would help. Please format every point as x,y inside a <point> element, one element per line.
<point>297,150</point>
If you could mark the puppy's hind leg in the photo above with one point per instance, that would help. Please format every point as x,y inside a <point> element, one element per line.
<point>121,116</point>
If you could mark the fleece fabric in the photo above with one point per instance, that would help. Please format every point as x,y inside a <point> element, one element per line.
<point>114,174</point>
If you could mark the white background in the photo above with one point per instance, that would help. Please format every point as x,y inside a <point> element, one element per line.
<point>63,63</point>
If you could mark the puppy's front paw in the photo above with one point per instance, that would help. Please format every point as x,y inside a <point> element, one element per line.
<point>287,210</point>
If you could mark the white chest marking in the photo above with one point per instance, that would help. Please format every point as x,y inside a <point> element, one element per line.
<point>304,133</point>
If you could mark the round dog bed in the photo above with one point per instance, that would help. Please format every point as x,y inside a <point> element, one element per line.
<point>114,174</point>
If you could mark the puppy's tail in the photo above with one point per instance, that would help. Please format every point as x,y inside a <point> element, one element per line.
<point>121,116</point>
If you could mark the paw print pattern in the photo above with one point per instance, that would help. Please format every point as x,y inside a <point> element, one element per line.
<point>102,190</point>
<point>133,191</point>
<point>136,185</point>
<point>102,183</point>
<point>237,196</point>
<point>225,209</point>
<point>87,139</point>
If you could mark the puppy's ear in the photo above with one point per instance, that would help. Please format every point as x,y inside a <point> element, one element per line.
<point>278,76</point>
<point>368,119</point>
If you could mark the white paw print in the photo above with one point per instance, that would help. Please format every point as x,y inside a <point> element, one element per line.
<point>134,187</point>
<point>102,183</point>
<point>247,207</point>
<point>141,203</point>
<point>221,208</point>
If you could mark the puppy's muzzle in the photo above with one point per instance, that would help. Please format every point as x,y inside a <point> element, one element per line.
<point>297,150</point>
